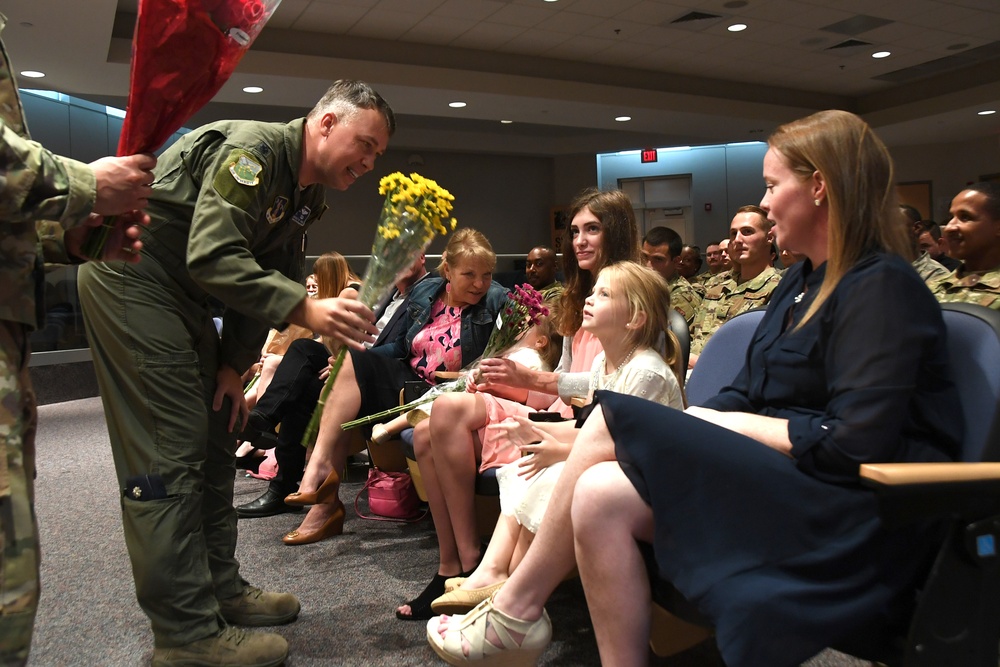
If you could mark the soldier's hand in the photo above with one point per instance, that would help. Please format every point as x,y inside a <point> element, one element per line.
<point>123,183</point>
<point>343,318</point>
<point>123,242</point>
<point>229,383</point>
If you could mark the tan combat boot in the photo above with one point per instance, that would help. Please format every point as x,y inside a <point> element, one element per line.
<point>255,607</point>
<point>232,647</point>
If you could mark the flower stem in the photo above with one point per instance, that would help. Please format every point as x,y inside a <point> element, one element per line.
<point>313,429</point>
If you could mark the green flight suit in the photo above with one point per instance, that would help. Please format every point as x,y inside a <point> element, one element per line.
<point>969,287</point>
<point>228,222</point>
<point>40,191</point>
<point>728,297</point>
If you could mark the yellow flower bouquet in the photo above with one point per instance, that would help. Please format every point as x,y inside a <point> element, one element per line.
<point>416,209</point>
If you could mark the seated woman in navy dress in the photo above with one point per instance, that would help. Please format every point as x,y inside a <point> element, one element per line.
<point>752,502</point>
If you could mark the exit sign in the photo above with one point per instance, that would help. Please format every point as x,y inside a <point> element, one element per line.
<point>648,155</point>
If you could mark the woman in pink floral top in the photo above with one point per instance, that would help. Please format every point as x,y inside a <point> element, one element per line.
<point>449,322</point>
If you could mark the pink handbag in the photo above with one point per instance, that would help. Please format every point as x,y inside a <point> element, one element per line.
<point>391,497</point>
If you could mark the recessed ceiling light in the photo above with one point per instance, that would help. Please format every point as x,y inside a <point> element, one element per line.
<point>737,27</point>
<point>456,105</point>
<point>253,89</point>
<point>622,119</point>
<point>551,0</point>
<point>508,122</point>
<point>881,54</point>
<point>32,74</point>
<point>987,112</point>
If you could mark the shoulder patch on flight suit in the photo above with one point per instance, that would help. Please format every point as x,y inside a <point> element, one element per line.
<point>238,177</point>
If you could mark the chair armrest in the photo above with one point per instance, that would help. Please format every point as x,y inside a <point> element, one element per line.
<point>893,474</point>
<point>447,375</point>
<point>908,492</point>
<point>579,401</point>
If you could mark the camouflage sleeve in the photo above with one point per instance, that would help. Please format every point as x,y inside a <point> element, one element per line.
<point>53,248</point>
<point>37,184</point>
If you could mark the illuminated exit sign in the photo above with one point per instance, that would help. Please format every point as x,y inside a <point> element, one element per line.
<point>648,155</point>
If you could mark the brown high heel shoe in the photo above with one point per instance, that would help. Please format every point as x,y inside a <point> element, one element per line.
<point>332,526</point>
<point>326,492</point>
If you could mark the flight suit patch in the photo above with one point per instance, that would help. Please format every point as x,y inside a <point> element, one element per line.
<point>277,210</point>
<point>246,170</point>
<point>237,179</point>
<point>301,216</point>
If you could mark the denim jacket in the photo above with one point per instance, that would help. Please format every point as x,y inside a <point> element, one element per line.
<point>477,320</point>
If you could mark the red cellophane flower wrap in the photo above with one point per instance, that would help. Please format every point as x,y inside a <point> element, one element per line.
<point>183,51</point>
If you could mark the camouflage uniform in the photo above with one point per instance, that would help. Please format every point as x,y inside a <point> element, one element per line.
<point>727,299</point>
<point>35,184</point>
<point>683,297</point>
<point>228,221</point>
<point>929,270</point>
<point>981,288</point>
<point>551,293</point>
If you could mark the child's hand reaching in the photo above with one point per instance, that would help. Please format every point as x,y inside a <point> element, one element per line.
<point>539,448</point>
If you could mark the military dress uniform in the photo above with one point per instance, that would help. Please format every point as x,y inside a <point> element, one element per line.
<point>37,185</point>
<point>228,222</point>
<point>683,297</point>
<point>969,287</point>
<point>728,298</point>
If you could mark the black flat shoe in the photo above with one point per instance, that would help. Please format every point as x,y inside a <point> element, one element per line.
<point>259,432</point>
<point>269,504</point>
<point>251,462</point>
<point>420,606</point>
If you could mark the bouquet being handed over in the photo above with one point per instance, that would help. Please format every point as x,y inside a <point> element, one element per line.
<point>183,51</point>
<point>416,209</point>
<point>521,311</point>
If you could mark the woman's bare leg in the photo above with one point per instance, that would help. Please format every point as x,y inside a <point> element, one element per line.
<point>455,449</point>
<point>608,517</point>
<point>330,450</point>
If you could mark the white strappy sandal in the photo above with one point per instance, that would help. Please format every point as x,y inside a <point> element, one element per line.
<point>473,627</point>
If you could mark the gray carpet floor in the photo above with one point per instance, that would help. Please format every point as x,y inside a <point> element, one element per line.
<point>349,585</point>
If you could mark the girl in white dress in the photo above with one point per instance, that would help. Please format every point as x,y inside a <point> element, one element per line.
<point>628,312</point>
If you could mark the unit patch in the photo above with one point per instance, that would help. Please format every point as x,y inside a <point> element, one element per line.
<point>277,210</point>
<point>301,215</point>
<point>246,170</point>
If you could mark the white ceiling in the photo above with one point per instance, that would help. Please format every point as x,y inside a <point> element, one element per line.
<point>563,70</point>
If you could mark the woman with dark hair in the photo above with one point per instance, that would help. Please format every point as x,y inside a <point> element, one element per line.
<point>752,501</point>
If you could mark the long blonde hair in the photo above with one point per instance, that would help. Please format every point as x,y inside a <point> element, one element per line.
<point>863,215</point>
<point>332,274</point>
<point>647,292</point>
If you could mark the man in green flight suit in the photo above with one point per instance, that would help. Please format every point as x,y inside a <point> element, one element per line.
<point>230,206</point>
<point>47,206</point>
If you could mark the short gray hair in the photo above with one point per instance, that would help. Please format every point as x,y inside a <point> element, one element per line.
<point>345,97</point>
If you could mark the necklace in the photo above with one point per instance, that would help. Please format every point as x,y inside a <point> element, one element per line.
<point>618,370</point>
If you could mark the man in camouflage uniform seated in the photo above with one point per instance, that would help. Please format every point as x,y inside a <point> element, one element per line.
<point>46,207</point>
<point>661,249</point>
<point>973,235</point>
<point>750,283</point>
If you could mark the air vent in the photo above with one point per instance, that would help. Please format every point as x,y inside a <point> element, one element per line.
<point>695,16</point>
<point>856,25</point>
<point>693,21</point>
<point>847,44</point>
